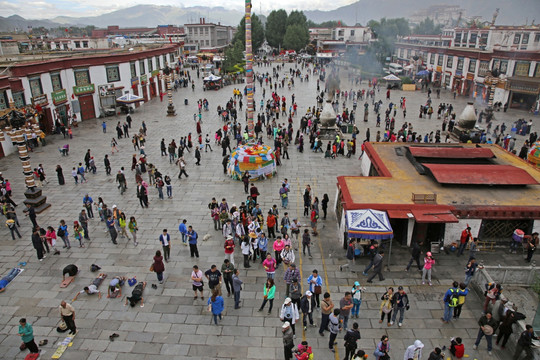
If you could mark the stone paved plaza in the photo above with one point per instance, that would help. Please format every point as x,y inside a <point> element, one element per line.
<point>172,325</point>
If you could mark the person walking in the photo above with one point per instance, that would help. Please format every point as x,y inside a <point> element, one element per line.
<point>288,340</point>
<point>269,292</point>
<point>197,281</point>
<point>345,306</point>
<point>356,292</point>
<point>237,287</point>
<point>165,240</point>
<point>216,305</point>
<point>488,326</point>
<point>38,244</point>
<point>133,229</point>
<point>525,343</point>
<point>377,267</point>
<point>414,351</point>
<point>12,226</point>
<point>387,306</point>
<point>26,332</point>
<point>429,261</point>
<point>532,244</point>
<point>314,282</point>
<point>327,307</point>
<point>463,291</point>
<point>112,229</point>
<point>351,338</point>
<point>401,303</point>
<point>451,300</point>
<point>158,266</point>
<point>306,243</point>
<point>415,255</point>
<point>291,273</point>
<point>67,314</point>
<point>192,241</point>
<point>470,270</point>
<point>197,156</point>
<point>505,328</point>
<point>289,313</point>
<point>307,305</point>
<point>83,220</point>
<point>31,213</point>
<point>334,326</point>
<point>350,256</point>
<point>60,175</point>
<point>324,205</point>
<point>246,250</point>
<point>269,265</point>
<point>227,271</point>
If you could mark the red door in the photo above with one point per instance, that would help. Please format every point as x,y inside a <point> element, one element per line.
<point>136,92</point>
<point>87,107</point>
<point>145,93</point>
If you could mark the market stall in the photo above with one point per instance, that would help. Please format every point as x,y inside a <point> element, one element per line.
<point>257,160</point>
<point>213,82</point>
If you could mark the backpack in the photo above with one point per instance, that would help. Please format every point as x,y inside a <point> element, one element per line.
<point>453,299</point>
<point>60,232</point>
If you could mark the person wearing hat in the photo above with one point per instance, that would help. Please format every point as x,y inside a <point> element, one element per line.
<point>289,314</point>
<point>229,249</point>
<point>488,326</point>
<point>288,340</point>
<point>464,240</point>
<point>356,292</point>
<point>307,305</point>
<point>401,303</point>
<point>429,261</point>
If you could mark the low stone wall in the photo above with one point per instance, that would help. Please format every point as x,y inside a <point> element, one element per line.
<point>516,281</point>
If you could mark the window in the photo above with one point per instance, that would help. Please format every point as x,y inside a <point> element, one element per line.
<point>472,39</point>
<point>517,39</point>
<point>483,68</point>
<point>537,38</point>
<point>3,100</point>
<point>408,53</point>
<point>341,32</point>
<point>158,62</point>
<point>496,64</point>
<point>440,60</point>
<point>77,44</point>
<point>432,59</point>
<point>537,71</point>
<point>472,66</point>
<point>82,77</point>
<point>85,44</point>
<point>56,82</point>
<point>460,64</point>
<point>171,58</point>
<point>133,69</point>
<point>522,68</point>
<point>18,99</point>
<point>352,32</point>
<point>504,67</point>
<point>35,86</point>
<point>483,40</point>
<point>207,42</point>
<point>457,39</point>
<point>206,30</point>
<point>150,65</point>
<point>141,67</point>
<point>164,60</point>
<point>113,73</point>
<point>450,62</point>
<point>525,39</point>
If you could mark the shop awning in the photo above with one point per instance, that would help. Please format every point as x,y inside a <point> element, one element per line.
<point>398,214</point>
<point>369,224</point>
<point>434,216</point>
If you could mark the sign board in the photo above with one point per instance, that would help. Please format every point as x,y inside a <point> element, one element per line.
<point>134,81</point>
<point>84,89</point>
<point>59,96</point>
<point>106,90</point>
<point>155,73</point>
<point>408,87</point>
<point>144,79</point>
<point>40,100</point>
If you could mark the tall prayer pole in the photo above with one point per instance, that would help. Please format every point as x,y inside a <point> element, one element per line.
<point>249,74</point>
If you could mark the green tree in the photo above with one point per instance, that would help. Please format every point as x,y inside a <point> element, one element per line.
<point>295,37</point>
<point>234,54</point>
<point>257,32</point>
<point>276,25</point>
<point>427,27</point>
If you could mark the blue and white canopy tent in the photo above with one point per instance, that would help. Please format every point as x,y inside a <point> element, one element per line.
<point>370,224</point>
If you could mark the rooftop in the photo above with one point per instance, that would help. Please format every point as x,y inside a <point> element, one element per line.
<point>400,179</point>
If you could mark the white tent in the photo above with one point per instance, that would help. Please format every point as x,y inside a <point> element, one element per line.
<point>391,77</point>
<point>212,77</point>
<point>129,99</point>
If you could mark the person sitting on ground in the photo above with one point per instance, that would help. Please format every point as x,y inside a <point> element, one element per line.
<point>115,285</point>
<point>456,348</point>
<point>136,295</point>
<point>92,288</point>
<point>71,270</point>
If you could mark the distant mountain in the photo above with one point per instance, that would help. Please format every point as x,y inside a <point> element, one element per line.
<point>515,12</point>
<point>135,16</point>
<point>18,23</point>
<point>153,15</point>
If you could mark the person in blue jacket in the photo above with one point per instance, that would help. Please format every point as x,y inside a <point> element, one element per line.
<point>192,239</point>
<point>217,305</point>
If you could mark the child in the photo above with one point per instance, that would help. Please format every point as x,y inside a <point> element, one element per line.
<point>456,348</point>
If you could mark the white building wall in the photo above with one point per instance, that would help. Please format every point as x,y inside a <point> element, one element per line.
<point>452,232</point>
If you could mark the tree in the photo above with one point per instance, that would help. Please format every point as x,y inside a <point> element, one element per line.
<point>234,54</point>
<point>257,32</point>
<point>276,25</point>
<point>297,18</point>
<point>295,37</point>
<point>427,27</point>
<point>326,24</point>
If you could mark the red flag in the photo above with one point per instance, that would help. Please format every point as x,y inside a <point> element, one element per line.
<point>170,40</point>
<point>66,29</point>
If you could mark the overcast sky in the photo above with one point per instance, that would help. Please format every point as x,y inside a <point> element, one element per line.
<point>40,9</point>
